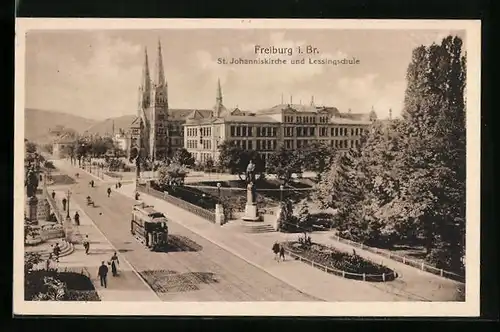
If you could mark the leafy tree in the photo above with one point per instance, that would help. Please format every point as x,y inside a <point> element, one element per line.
<point>304,217</point>
<point>284,163</point>
<point>318,157</point>
<point>183,157</point>
<point>235,159</point>
<point>172,175</point>
<point>30,146</point>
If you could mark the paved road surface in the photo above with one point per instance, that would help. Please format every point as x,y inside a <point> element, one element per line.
<point>193,270</point>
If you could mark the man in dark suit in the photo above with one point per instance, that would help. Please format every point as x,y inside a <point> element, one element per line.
<point>103,273</point>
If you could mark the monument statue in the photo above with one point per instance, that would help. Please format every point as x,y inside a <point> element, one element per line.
<point>250,207</point>
<point>250,173</point>
<point>31,183</point>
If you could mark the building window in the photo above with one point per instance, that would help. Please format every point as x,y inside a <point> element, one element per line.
<point>258,144</point>
<point>274,144</point>
<point>244,145</point>
<point>311,131</point>
<point>274,131</point>
<point>232,131</point>
<point>250,131</point>
<point>250,145</point>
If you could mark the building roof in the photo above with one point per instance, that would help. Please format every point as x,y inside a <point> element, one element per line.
<point>234,119</point>
<point>64,138</point>
<point>346,121</point>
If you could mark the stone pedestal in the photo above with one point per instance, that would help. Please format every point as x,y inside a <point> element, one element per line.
<point>251,212</point>
<point>32,207</point>
<point>219,214</point>
<point>43,210</point>
<point>277,216</point>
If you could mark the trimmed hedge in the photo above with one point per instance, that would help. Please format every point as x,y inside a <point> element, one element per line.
<point>353,266</point>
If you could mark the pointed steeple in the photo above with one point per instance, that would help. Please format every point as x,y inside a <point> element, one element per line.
<point>312,100</point>
<point>145,83</point>
<point>219,107</point>
<point>390,113</point>
<point>219,92</point>
<point>160,73</point>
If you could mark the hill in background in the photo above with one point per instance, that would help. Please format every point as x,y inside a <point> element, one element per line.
<point>106,127</point>
<point>37,123</point>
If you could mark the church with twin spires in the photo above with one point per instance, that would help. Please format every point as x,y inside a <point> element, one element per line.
<point>160,130</point>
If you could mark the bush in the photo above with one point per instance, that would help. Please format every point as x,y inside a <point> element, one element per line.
<point>190,195</point>
<point>45,285</point>
<point>330,257</point>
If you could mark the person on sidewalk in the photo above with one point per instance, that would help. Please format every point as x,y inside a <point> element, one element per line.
<point>276,250</point>
<point>102,274</point>
<point>109,191</point>
<point>77,218</point>
<point>92,183</point>
<point>64,201</point>
<point>53,194</point>
<point>48,263</point>
<point>86,244</point>
<point>56,251</point>
<point>116,185</point>
<point>114,264</point>
<point>282,253</point>
<point>137,195</point>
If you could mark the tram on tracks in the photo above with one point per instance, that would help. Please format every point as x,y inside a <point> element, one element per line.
<point>149,226</point>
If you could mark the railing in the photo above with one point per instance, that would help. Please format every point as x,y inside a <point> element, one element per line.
<point>210,216</point>
<point>349,275</point>
<point>405,260</point>
<point>71,233</point>
<point>53,205</point>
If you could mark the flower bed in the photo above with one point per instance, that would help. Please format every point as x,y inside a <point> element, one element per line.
<point>73,286</point>
<point>339,263</point>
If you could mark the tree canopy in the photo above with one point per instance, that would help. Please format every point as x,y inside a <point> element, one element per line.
<point>406,181</point>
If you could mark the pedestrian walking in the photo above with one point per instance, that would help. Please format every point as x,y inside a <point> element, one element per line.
<point>86,244</point>
<point>102,274</point>
<point>92,183</point>
<point>114,264</point>
<point>109,191</point>
<point>136,196</point>
<point>77,218</point>
<point>116,185</point>
<point>64,201</point>
<point>276,250</point>
<point>48,262</point>
<point>119,184</point>
<point>53,194</point>
<point>282,253</point>
<point>56,251</point>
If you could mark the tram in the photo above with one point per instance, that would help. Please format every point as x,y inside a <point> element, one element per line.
<point>149,226</point>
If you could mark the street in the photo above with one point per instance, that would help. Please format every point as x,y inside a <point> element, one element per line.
<point>193,269</point>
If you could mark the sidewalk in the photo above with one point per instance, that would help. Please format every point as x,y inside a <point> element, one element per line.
<point>128,286</point>
<point>256,250</point>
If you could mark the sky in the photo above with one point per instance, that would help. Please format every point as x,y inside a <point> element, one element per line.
<point>96,73</point>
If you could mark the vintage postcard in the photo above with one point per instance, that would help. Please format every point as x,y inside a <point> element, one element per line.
<point>247,167</point>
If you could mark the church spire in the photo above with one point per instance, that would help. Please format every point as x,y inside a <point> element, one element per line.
<point>160,73</point>
<point>312,100</point>
<point>161,98</point>
<point>145,83</point>
<point>390,113</point>
<point>219,92</point>
<point>219,106</point>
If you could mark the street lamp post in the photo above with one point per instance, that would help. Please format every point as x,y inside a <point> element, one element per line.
<point>281,193</point>
<point>218,190</point>
<point>67,207</point>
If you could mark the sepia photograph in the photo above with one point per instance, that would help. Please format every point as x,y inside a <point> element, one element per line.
<point>247,167</point>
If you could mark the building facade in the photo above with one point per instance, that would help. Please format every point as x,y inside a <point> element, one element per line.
<point>158,130</point>
<point>290,125</point>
